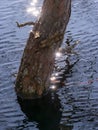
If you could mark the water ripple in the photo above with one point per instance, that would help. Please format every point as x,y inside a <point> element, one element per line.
<point>79,92</point>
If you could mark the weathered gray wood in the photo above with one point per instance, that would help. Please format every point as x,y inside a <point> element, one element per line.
<point>39,54</point>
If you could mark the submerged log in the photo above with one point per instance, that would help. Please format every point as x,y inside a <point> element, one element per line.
<point>37,63</point>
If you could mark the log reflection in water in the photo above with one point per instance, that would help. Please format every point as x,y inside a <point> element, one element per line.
<point>45,111</point>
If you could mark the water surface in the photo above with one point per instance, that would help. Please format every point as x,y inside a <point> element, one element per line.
<point>75,104</point>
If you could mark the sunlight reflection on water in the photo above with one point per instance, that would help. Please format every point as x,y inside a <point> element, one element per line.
<point>33,9</point>
<point>77,89</point>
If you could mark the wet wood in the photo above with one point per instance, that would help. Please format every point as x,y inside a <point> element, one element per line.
<point>37,62</point>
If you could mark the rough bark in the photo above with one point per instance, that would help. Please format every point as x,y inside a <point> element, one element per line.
<point>39,54</point>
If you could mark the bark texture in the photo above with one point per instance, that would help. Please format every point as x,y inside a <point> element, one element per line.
<point>39,54</point>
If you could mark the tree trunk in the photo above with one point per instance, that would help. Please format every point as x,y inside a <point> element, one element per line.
<point>37,63</point>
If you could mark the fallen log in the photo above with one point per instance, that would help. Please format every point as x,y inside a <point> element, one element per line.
<point>37,62</point>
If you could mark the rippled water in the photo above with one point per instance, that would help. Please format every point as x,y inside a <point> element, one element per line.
<point>75,104</point>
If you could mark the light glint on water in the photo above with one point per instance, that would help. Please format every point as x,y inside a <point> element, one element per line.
<point>33,2</point>
<point>53,87</point>
<point>58,54</point>
<point>53,78</point>
<point>33,9</point>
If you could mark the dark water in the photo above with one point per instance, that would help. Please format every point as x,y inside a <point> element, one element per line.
<point>75,104</point>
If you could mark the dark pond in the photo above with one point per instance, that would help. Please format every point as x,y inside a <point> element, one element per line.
<point>74,106</point>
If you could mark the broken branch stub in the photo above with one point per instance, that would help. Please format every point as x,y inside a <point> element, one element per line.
<point>37,62</point>
<point>25,24</point>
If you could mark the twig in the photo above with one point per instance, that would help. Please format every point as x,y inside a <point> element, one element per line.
<point>25,24</point>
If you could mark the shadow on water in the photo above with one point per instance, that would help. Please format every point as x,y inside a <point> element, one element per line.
<point>78,98</point>
<point>45,111</point>
<point>67,71</point>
